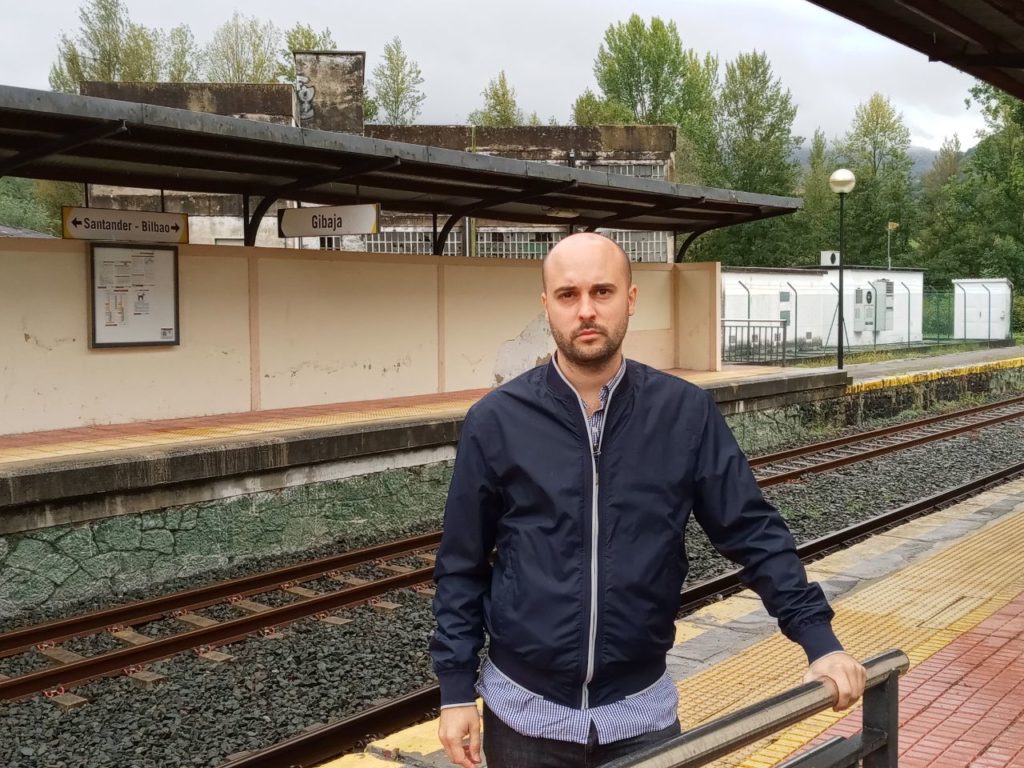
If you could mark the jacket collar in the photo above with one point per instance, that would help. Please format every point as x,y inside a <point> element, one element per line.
<point>563,390</point>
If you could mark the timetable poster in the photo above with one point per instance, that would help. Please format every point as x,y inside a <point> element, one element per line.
<point>134,296</point>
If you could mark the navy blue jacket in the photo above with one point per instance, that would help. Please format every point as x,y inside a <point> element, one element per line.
<point>581,599</point>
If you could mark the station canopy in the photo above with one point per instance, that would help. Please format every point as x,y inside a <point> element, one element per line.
<point>85,139</point>
<point>984,38</point>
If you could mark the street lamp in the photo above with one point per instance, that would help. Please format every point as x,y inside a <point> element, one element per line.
<point>842,183</point>
<point>891,227</point>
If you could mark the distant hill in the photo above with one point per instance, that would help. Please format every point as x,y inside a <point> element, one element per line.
<point>922,157</point>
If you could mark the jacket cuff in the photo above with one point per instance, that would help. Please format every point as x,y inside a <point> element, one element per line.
<point>457,686</point>
<point>818,640</point>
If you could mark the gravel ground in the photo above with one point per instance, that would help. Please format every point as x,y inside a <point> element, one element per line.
<point>318,672</point>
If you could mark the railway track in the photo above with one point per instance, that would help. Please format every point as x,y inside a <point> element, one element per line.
<point>316,746</point>
<point>787,466</point>
<point>207,634</point>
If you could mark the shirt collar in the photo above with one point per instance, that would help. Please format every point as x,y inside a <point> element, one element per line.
<point>606,390</point>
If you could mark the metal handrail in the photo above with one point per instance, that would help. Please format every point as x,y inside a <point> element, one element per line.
<point>879,739</point>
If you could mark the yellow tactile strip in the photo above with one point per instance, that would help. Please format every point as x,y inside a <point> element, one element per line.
<point>920,609</point>
<point>943,373</point>
<point>242,429</point>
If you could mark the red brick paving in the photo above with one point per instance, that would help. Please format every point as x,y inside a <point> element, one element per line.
<point>964,706</point>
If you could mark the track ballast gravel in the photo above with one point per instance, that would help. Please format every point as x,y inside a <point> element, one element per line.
<point>318,672</point>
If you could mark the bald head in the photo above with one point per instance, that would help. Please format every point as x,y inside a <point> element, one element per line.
<point>586,245</point>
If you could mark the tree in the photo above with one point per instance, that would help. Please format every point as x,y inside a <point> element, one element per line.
<point>816,224</point>
<point>757,145</point>
<point>646,76</point>
<point>301,37</point>
<point>396,85</point>
<point>876,150</point>
<point>590,109</point>
<point>972,222</point>
<point>108,47</point>
<point>755,128</point>
<point>183,57</point>
<point>243,50</point>
<point>642,67</point>
<point>500,109</point>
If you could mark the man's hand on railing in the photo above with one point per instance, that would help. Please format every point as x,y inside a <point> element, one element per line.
<point>844,672</point>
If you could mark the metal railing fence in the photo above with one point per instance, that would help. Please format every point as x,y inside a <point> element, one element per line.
<point>875,746</point>
<point>754,341</point>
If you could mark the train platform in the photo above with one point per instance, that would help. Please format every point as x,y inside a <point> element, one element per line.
<point>735,387</point>
<point>735,383</point>
<point>948,589</point>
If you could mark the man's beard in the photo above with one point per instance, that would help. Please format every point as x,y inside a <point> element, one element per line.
<point>591,355</point>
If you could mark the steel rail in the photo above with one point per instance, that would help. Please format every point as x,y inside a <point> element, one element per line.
<point>803,450</point>
<point>862,455</point>
<point>19,640</point>
<point>218,634</point>
<point>321,744</point>
<point>698,594</point>
<point>316,746</point>
<point>193,599</point>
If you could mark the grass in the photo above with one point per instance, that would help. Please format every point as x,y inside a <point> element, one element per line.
<point>894,353</point>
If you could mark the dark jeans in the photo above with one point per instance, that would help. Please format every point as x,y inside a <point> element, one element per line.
<point>506,748</point>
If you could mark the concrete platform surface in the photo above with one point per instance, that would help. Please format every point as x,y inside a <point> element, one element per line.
<point>729,384</point>
<point>948,589</point>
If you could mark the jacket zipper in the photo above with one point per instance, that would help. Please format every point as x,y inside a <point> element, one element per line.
<point>595,454</point>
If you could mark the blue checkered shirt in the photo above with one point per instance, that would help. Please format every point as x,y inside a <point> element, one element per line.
<point>530,714</point>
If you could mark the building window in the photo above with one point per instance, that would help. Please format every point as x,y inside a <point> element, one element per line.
<point>783,296</point>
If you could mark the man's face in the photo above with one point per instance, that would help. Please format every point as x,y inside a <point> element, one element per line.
<point>588,299</point>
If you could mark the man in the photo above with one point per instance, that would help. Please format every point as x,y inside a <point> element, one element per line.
<point>582,473</point>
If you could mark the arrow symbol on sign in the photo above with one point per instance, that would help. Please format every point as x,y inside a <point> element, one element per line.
<point>76,222</point>
<point>175,227</point>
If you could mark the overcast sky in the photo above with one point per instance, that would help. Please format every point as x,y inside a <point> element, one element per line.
<point>547,50</point>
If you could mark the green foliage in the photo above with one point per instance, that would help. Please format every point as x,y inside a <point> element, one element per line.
<point>756,145</point>
<point>301,37</point>
<point>642,66</point>
<point>755,126</point>
<point>500,109</point>
<point>183,56</point>
<point>646,76</point>
<point>590,109</point>
<point>243,50</point>
<point>972,206</point>
<point>108,47</point>
<point>20,208</point>
<point>876,150</point>
<point>1017,321</point>
<point>397,82</point>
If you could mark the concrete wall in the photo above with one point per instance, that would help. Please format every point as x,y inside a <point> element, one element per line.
<point>697,308</point>
<point>271,328</point>
<point>329,90</point>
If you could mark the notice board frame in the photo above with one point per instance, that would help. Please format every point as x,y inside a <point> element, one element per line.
<point>164,291</point>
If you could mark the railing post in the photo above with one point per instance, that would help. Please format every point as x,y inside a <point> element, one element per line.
<point>882,713</point>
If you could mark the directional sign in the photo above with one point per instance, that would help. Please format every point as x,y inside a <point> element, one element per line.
<point>132,226</point>
<point>329,220</point>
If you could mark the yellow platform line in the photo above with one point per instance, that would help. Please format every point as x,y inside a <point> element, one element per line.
<point>921,609</point>
<point>941,373</point>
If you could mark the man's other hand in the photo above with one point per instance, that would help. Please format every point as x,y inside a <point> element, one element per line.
<point>455,724</point>
<point>845,672</point>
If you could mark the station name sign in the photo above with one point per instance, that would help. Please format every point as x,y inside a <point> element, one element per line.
<point>131,226</point>
<point>329,220</point>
